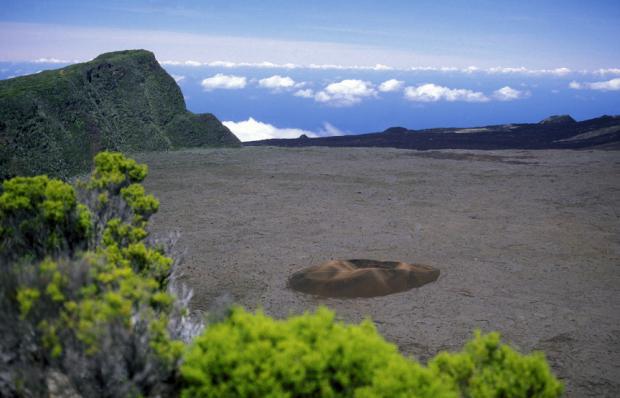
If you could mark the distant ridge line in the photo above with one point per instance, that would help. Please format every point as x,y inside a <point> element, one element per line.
<point>554,132</point>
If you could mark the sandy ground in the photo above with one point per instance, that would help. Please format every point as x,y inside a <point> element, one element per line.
<point>528,242</point>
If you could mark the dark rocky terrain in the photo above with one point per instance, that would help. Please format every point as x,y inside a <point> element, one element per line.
<point>54,121</point>
<point>555,132</point>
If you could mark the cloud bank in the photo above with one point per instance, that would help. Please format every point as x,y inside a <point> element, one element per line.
<point>608,85</point>
<point>252,130</point>
<point>349,92</point>
<point>558,72</point>
<point>430,92</point>
<point>53,61</point>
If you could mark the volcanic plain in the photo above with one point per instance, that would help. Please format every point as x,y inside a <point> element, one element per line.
<point>527,242</point>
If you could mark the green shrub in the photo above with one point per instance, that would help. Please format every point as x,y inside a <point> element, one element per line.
<point>314,355</point>
<point>85,292</point>
<point>487,368</point>
<point>304,356</point>
<point>41,216</point>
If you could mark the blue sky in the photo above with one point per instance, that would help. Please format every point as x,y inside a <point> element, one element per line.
<point>334,67</point>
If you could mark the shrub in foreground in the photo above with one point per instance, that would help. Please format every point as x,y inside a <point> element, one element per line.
<point>315,355</point>
<point>488,368</point>
<point>85,295</point>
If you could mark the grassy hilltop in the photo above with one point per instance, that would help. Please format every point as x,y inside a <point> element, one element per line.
<point>53,122</point>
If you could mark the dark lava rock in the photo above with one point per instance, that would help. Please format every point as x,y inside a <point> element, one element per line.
<point>558,119</point>
<point>395,130</point>
<point>552,133</point>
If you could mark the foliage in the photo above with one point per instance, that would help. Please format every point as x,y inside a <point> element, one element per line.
<point>314,355</point>
<point>55,121</point>
<point>41,216</point>
<point>85,292</point>
<point>487,368</point>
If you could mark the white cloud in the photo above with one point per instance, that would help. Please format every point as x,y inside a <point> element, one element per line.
<point>558,71</point>
<point>222,81</point>
<point>230,64</point>
<point>178,78</point>
<point>382,67</point>
<point>432,93</point>
<point>608,71</point>
<point>575,85</point>
<point>330,130</point>
<point>377,67</point>
<point>346,92</point>
<point>507,93</point>
<point>52,61</point>
<point>500,69</point>
<point>513,70</point>
<point>307,93</point>
<point>608,85</point>
<point>222,64</point>
<point>252,130</point>
<point>433,69</point>
<point>273,65</point>
<point>181,63</point>
<point>277,82</point>
<point>264,65</point>
<point>390,85</point>
<point>471,69</point>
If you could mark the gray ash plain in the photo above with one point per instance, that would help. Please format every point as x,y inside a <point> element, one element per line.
<point>528,242</point>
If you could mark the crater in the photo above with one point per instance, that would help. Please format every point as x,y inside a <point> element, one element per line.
<point>361,278</point>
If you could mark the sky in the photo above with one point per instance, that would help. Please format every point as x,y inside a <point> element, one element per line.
<point>282,68</point>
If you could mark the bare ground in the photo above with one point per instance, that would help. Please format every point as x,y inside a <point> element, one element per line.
<point>528,242</point>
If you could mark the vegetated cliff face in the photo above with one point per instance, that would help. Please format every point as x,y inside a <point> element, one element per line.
<point>53,122</point>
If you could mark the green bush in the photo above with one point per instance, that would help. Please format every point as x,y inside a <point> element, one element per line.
<point>487,368</point>
<point>85,293</point>
<point>40,216</point>
<point>314,355</point>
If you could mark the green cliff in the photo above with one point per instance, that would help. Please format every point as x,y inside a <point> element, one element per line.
<point>53,122</point>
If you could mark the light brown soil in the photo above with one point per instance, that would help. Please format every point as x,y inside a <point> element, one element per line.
<point>361,278</point>
<point>528,242</point>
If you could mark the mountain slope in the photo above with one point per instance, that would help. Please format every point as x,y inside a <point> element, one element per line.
<point>54,121</point>
<point>556,132</point>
